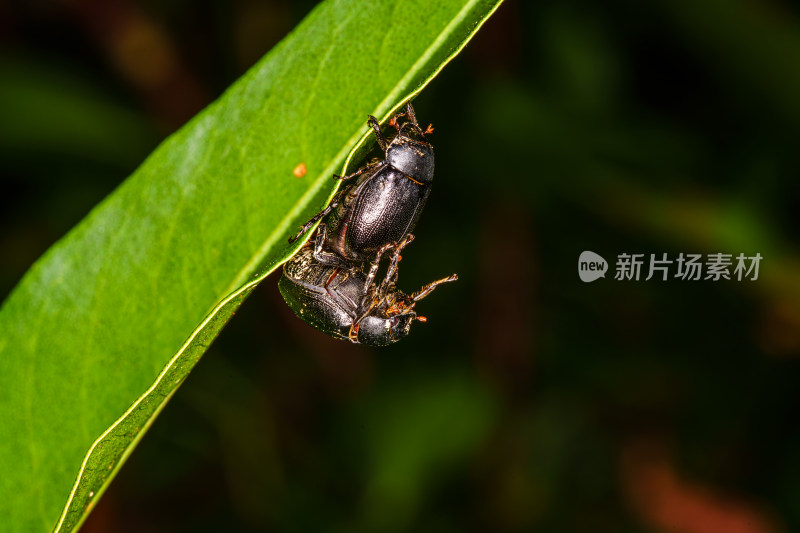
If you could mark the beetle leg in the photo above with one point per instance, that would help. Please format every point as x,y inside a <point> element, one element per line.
<point>307,226</point>
<point>412,123</point>
<point>336,271</point>
<point>394,122</point>
<point>412,116</point>
<point>353,333</point>
<point>372,121</point>
<point>360,171</point>
<point>324,257</point>
<point>391,272</point>
<point>373,269</point>
<point>426,290</point>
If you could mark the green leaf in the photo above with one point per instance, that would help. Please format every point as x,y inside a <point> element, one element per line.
<point>107,324</point>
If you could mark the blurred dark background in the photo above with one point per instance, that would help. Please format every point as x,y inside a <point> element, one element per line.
<point>530,401</point>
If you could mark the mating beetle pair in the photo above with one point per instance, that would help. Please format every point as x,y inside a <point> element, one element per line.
<point>349,303</point>
<point>328,284</point>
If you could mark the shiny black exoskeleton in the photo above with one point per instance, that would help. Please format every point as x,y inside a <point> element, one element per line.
<point>383,205</point>
<point>348,303</point>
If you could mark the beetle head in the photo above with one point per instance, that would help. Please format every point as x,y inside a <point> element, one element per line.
<point>377,331</point>
<point>411,154</point>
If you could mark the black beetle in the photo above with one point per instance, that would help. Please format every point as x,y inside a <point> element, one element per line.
<point>348,303</point>
<point>383,205</point>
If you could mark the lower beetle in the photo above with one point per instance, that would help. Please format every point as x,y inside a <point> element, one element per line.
<point>383,205</point>
<point>349,303</point>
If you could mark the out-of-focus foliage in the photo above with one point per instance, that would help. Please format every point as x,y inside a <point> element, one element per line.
<point>529,400</point>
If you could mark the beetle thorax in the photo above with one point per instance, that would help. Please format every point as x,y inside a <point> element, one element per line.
<point>412,158</point>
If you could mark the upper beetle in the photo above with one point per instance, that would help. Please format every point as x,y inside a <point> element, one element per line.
<point>383,205</point>
<point>348,303</point>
